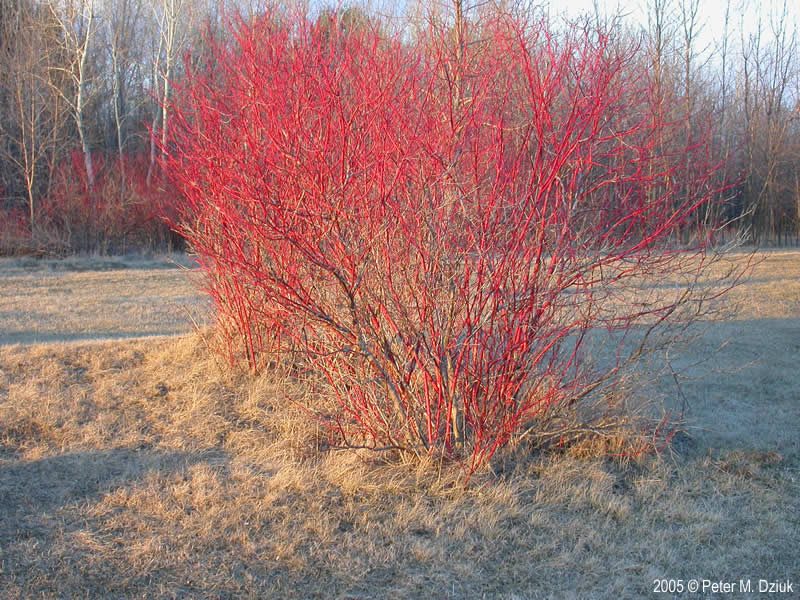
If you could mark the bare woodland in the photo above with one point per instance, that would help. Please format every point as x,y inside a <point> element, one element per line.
<point>87,84</point>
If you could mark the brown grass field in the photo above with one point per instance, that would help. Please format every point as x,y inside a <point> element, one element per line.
<point>134,465</point>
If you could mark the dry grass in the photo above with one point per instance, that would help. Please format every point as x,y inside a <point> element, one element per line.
<point>95,298</point>
<point>142,468</point>
<point>772,289</point>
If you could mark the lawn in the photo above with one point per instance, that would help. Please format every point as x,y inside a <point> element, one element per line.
<point>133,463</point>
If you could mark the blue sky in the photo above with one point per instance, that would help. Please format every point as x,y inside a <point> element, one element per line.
<point>744,15</point>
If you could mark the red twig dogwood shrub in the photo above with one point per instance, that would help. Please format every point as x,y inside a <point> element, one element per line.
<point>14,231</point>
<point>435,231</point>
<point>121,212</point>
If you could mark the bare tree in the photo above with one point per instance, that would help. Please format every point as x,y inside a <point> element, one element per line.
<point>77,21</point>
<point>769,126</point>
<point>173,25</point>
<point>34,119</point>
<point>122,28</point>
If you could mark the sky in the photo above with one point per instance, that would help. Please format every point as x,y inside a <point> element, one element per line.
<point>744,15</point>
<point>745,18</point>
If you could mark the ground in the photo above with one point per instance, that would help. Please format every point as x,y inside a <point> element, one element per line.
<point>133,463</point>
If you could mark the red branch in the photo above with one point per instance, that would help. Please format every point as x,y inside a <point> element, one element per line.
<point>437,237</point>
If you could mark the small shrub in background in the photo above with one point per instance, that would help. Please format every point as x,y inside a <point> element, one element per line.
<point>120,213</point>
<point>436,227</point>
<point>14,231</point>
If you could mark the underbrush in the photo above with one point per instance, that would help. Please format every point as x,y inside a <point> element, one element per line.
<point>121,212</point>
<point>146,468</point>
<point>175,395</point>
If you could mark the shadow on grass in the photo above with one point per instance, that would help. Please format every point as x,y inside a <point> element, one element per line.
<point>32,492</point>
<point>83,263</point>
<point>24,338</point>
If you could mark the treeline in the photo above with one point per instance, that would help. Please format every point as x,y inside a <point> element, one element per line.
<point>86,88</point>
<point>745,89</point>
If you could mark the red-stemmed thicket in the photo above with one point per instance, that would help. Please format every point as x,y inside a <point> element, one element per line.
<point>14,230</point>
<point>438,228</point>
<point>120,212</point>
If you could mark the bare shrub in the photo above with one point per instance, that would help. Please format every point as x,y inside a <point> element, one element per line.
<point>440,230</point>
<point>120,212</point>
